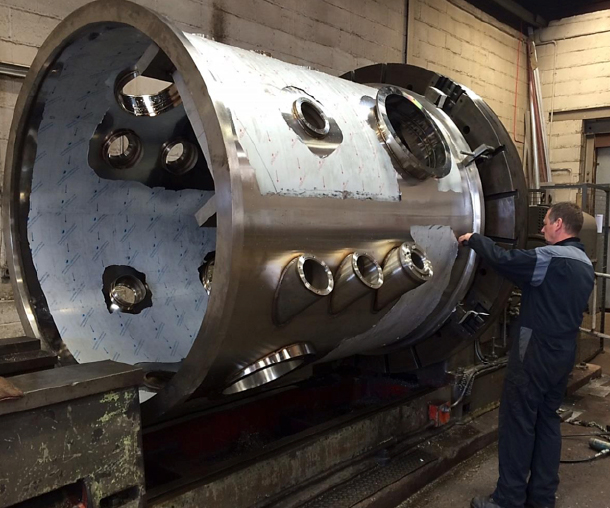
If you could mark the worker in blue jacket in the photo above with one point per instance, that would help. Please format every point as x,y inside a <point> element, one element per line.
<point>556,282</point>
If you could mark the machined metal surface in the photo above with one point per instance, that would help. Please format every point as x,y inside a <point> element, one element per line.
<point>279,163</point>
<point>410,135</point>
<point>304,281</point>
<point>405,268</point>
<point>358,275</point>
<point>271,367</point>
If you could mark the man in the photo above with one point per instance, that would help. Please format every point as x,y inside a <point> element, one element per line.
<point>556,282</point>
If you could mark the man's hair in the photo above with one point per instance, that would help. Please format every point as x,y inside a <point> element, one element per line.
<point>570,214</point>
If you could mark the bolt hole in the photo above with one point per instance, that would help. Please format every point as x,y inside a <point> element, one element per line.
<point>417,259</point>
<point>122,149</point>
<point>466,129</point>
<point>483,271</point>
<point>311,117</point>
<point>410,87</point>
<point>179,157</point>
<point>415,131</point>
<point>315,274</point>
<point>126,292</point>
<point>144,96</point>
<point>206,272</point>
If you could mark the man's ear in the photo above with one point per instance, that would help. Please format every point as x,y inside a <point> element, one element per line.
<point>559,223</point>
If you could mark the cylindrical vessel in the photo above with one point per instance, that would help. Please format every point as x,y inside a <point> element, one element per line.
<point>206,181</point>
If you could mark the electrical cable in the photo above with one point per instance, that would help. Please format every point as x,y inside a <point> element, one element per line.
<point>490,367</point>
<point>477,349</point>
<point>588,459</point>
<point>596,444</point>
<point>602,434</point>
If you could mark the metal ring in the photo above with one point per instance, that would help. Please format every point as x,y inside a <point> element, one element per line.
<point>310,116</point>
<point>322,291</point>
<point>378,282</point>
<point>135,288</point>
<point>132,152</point>
<point>414,259</point>
<point>184,163</point>
<point>270,367</point>
<point>433,158</point>
<point>145,105</point>
<point>208,275</point>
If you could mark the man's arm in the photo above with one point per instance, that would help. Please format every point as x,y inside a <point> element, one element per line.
<point>517,265</point>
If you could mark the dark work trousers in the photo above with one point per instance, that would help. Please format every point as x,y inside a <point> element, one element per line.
<point>529,428</point>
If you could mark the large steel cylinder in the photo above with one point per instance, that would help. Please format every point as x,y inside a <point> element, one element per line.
<point>224,217</point>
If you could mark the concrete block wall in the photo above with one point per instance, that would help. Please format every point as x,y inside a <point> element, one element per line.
<point>574,62</point>
<point>454,38</point>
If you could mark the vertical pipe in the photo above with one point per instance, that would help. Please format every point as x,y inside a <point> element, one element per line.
<point>535,147</point>
<point>543,134</point>
<point>504,324</point>
<point>605,265</point>
<point>405,56</point>
<point>594,305</point>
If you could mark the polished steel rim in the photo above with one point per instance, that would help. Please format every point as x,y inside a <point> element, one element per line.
<point>373,273</point>
<point>270,367</point>
<point>145,105</point>
<point>436,162</point>
<point>315,275</point>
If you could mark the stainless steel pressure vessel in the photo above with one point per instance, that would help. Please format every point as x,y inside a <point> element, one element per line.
<point>229,218</point>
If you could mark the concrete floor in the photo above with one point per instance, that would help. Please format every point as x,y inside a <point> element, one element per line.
<point>582,485</point>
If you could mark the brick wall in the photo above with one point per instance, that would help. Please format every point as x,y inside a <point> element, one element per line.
<point>456,39</point>
<point>575,74</point>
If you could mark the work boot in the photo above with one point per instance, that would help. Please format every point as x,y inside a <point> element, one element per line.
<point>484,502</point>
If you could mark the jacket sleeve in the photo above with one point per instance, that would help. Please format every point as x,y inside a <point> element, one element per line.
<point>517,265</point>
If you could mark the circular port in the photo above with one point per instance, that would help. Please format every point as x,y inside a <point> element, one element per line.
<point>271,367</point>
<point>410,135</point>
<point>122,149</point>
<point>414,260</point>
<point>310,116</point>
<point>143,96</point>
<point>179,157</point>
<point>368,270</point>
<point>207,274</point>
<point>126,292</point>
<point>315,275</point>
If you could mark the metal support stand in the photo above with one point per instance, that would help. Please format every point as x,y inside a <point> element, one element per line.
<point>71,436</point>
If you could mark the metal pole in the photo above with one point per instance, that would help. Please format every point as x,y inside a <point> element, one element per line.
<point>597,334</point>
<point>535,147</point>
<point>504,329</point>
<point>594,305</point>
<point>605,267</point>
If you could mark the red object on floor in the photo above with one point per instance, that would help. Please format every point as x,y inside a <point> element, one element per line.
<point>439,412</point>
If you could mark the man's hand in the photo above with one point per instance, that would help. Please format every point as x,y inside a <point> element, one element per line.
<point>464,238</point>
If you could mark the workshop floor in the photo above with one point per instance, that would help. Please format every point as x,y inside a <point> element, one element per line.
<point>582,485</point>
